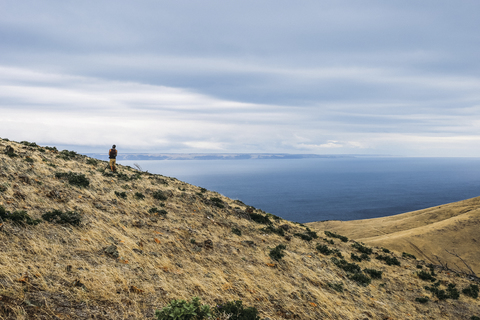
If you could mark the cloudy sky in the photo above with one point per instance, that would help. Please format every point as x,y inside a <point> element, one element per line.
<point>393,77</point>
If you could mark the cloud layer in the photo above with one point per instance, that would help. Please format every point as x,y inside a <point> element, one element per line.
<point>274,76</point>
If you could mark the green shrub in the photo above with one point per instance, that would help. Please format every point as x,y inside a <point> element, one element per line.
<point>276,218</point>
<point>362,249</point>
<point>159,195</point>
<point>57,216</point>
<point>236,311</point>
<point>157,211</point>
<point>328,241</point>
<point>409,256</point>
<point>92,161</point>
<point>374,274</point>
<point>139,195</point>
<point>471,291</point>
<point>217,202</point>
<point>391,261</point>
<point>272,229</point>
<point>203,190</point>
<point>336,286</point>
<point>18,217</point>
<point>54,149</point>
<point>75,179</point>
<point>360,279</point>
<point>474,318</point>
<point>123,176</point>
<point>259,218</point>
<point>385,250</point>
<point>122,194</point>
<point>67,155</point>
<point>334,235</point>
<point>183,310</point>
<point>422,299</point>
<point>29,144</point>
<point>348,267</point>
<point>354,257</point>
<point>236,231</point>
<point>29,160</point>
<point>324,249</point>
<point>277,252</point>
<point>450,293</point>
<point>3,188</point>
<point>426,276</point>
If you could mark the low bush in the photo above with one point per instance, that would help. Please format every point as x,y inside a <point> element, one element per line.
<point>391,261</point>
<point>157,211</point>
<point>474,318</point>
<point>328,241</point>
<point>3,188</point>
<point>259,218</point>
<point>324,249</point>
<point>385,250</point>
<point>29,160</point>
<point>159,195</point>
<point>183,310</point>
<point>67,155</point>
<point>236,311</point>
<point>75,179</point>
<point>57,216</point>
<point>374,274</point>
<point>236,231</point>
<point>92,161</point>
<point>217,202</point>
<point>346,266</point>
<point>277,252</point>
<point>338,286</point>
<point>360,279</point>
<point>362,249</point>
<point>29,144</point>
<point>122,194</point>
<point>334,235</point>
<point>303,236</point>
<point>408,256</point>
<point>426,276</point>
<point>450,293</point>
<point>471,291</point>
<point>139,195</point>
<point>272,229</point>
<point>422,300</point>
<point>18,217</point>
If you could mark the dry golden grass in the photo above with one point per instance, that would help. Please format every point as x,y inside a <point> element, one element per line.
<point>55,271</point>
<point>434,234</point>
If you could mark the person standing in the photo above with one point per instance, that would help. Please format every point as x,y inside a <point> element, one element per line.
<point>112,154</point>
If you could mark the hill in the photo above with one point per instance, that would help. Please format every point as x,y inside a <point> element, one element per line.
<point>445,234</point>
<point>79,242</point>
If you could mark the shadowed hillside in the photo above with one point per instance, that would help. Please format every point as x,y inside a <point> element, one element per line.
<point>79,242</point>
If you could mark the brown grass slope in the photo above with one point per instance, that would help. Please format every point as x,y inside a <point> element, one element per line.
<point>435,234</point>
<point>124,262</point>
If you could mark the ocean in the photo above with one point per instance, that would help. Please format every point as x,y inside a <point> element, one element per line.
<point>306,190</point>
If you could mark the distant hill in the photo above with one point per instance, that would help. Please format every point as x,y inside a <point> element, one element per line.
<point>435,234</point>
<point>80,242</point>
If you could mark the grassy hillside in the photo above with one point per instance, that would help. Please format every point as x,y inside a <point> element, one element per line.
<point>437,234</point>
<point>79,242</point>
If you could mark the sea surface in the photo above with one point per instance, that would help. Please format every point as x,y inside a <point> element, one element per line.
<point>306,190</point>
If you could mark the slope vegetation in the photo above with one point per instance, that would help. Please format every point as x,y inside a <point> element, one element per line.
<point>78,242</point>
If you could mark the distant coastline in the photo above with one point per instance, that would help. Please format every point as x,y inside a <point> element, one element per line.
<point>218,156</point>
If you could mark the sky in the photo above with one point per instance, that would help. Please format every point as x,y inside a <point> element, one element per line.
<point>396,77</point>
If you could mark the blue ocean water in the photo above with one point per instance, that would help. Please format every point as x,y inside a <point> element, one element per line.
<point>306,190</point>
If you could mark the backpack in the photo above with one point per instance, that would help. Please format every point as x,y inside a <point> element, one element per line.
<point>112,153</point>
